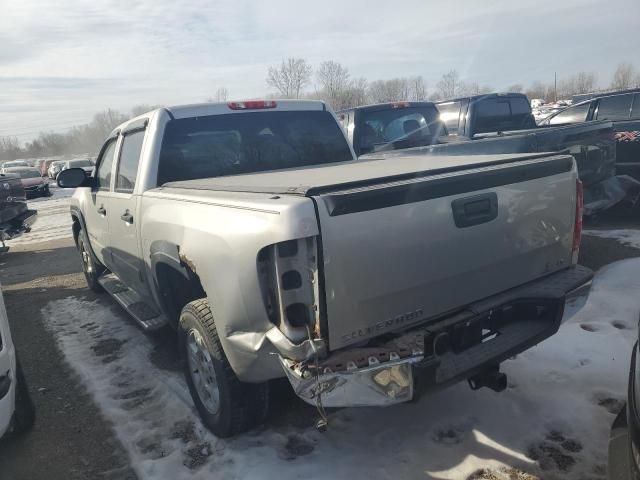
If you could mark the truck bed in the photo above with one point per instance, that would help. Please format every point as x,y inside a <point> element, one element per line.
<point>413,237</point>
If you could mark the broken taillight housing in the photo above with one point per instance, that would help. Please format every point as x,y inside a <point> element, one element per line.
<point>577,227</point>
<point>288,273</point>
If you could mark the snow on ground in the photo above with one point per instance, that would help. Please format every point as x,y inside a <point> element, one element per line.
<point>54,219</point>
<point>552,421</point>
<point>627,237</point>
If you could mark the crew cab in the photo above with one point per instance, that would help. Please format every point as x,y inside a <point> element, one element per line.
<point>623,110</point>
<point>478,114</point>
<point>253,230</point>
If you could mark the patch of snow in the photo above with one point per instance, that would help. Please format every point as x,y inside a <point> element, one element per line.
<point>627,237</point>
<point>553,419</point>
<point>54,219</point>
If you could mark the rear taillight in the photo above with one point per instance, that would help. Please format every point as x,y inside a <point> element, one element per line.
<point>577,227</point>
<point>288,273</point>
<point>400,105</point>
<point>252,105</point>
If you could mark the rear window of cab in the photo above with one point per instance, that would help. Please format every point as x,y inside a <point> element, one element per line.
<point>249,142</point>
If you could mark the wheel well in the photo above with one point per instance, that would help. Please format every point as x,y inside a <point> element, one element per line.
<point>176,289</point>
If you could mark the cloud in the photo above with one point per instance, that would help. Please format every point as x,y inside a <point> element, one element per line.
<point>92,55</point>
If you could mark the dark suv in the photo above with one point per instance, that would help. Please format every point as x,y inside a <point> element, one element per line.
<point>623,109</point>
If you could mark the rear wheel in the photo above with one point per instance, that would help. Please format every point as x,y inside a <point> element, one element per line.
<point>90,267</point>
<point>226,405</point>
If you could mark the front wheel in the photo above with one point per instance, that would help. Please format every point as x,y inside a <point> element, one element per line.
<point>91,269</point>
<point>226,405</point>
<point>25,414</point>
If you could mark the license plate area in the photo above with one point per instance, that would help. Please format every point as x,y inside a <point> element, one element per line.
<point>489,326</point>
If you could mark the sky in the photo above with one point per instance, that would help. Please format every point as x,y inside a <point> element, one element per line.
<point>61,62</point>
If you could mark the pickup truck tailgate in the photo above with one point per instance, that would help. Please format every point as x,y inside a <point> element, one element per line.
<point>400,252</point>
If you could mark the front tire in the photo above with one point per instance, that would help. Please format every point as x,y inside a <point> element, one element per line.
<point>90,267</point>
<point>226,405</point>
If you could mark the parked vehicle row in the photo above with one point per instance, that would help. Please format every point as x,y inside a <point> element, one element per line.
<point>254,231</point>
<point>487,124</point>
<point>34,185</point>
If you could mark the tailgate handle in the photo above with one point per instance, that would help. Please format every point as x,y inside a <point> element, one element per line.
<point>469,211</point>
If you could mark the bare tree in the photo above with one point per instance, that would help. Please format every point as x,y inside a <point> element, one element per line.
<point>472,88</point>
<point>515,88</point>
<point>417,88</point>
<point>357,93</point>
<point>585,82</point>
<point>9,148</point>
<point>449,85</point>
<point>582,82</point>
<point>393,90</point>
<point>107,120</point>
<point>623,77</point>
<point>290,78</point>
<point>537,90</point>
<point>334,82</point>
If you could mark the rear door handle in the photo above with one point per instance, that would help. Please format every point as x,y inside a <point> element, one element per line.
<point>102,211</point>
<point>127,217</point>
<point>474,210</point>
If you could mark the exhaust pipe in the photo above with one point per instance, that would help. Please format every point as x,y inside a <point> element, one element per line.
<point>492,378</point>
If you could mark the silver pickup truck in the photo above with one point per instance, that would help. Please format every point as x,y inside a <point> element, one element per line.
<point>251,229</point>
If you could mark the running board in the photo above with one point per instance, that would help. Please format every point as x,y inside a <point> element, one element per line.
<point>143,313</point>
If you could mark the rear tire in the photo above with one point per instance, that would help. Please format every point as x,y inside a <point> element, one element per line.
<point>24,415</point>
<point>226,405</point>
<point>90,267</point>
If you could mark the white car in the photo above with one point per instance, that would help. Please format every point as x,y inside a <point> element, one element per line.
<point>86,165</point>
<point>15,163</point>
<point>16,408</point>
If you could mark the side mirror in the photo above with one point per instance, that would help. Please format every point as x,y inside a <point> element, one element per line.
<point>73,178</point>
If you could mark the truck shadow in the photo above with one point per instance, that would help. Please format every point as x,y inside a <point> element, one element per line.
<point>18,266</point>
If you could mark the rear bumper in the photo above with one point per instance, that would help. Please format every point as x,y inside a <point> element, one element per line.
<point>442,352</point>
<point>36,191</point>
<point>18,225</point>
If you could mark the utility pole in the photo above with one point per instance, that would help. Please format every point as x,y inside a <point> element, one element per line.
<point>555,86</point>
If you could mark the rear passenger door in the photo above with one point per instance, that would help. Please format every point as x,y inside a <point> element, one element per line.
<point>124,223</point>
<point>616,107</point>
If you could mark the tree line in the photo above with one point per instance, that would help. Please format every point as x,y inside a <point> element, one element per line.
<point>79,139</point>
<point>331,82</point>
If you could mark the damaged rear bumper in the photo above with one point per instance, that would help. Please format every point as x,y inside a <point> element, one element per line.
<point>18,225</point>
<point>440,353</point>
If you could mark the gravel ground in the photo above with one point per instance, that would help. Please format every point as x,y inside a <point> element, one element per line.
<point>70,439</point>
